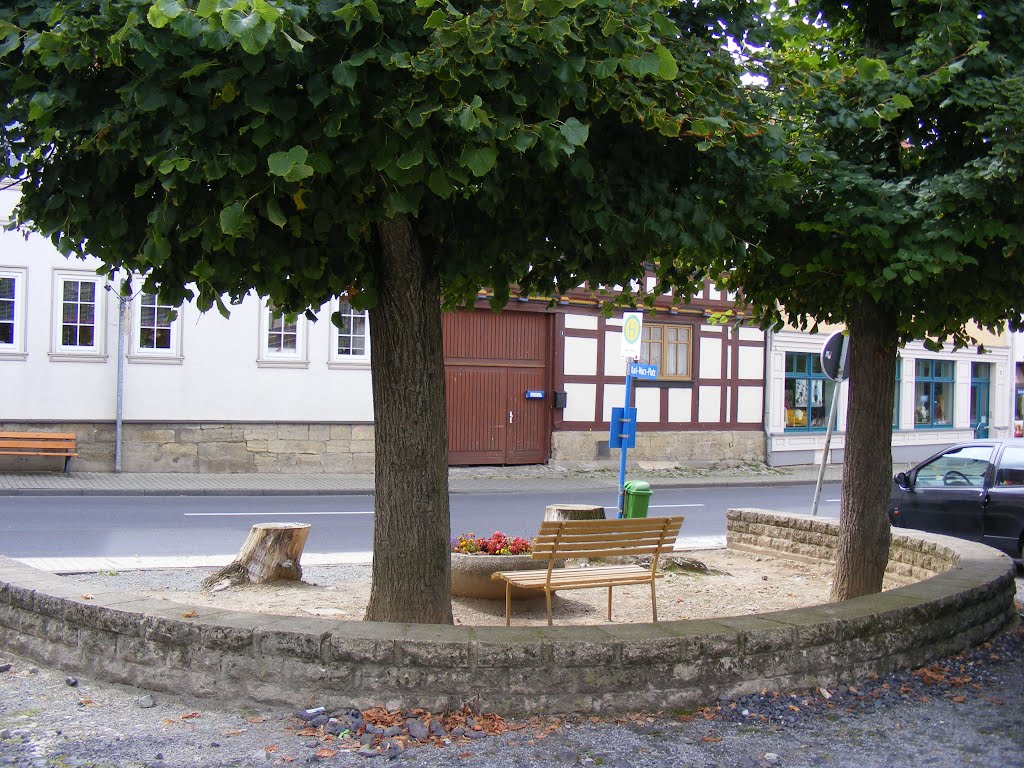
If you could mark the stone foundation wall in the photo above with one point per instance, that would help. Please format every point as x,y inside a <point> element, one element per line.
<point>966,597</point>
<point>659,450</point>
<point>208,448</point>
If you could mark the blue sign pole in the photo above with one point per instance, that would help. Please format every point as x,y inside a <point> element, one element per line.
<point>623,429</point>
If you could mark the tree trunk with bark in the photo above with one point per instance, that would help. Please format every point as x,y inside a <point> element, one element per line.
<point>411,564</point>
<point>270,552</point>
<point>863,548</point>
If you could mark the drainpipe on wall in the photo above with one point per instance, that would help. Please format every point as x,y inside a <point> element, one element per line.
<point>122,314</point>
<point>769,334</point>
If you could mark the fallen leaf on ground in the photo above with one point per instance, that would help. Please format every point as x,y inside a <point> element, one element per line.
<point>234,733</point>
<point>324,753</point>
<point>711,739</point>
<point>959,699</point>
<point>255,719</point>
<point>189,614</point>
<point>271,748</point>
<point>86,596</point>
<point>190,716</point>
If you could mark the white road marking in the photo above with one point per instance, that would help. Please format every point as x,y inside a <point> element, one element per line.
<point>272,514</point>
<point>663,506</point>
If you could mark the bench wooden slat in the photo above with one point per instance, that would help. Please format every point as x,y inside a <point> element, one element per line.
<point>600,552</point>
<point>55,445</point>
<point>594,539</point>
<point>60,444</point>
<point>614,524</point>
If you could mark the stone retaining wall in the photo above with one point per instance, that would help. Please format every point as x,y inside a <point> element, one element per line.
<point>208,447</point>
<point>967,596</point>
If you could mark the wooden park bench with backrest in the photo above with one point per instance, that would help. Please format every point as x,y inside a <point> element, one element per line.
<point>564,539</point>
<point>39,444</point>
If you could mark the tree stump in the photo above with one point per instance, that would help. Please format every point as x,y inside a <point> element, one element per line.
<point>558,512</point>
<point>271,552</point>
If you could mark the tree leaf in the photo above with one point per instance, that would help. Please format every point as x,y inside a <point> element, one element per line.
<point>344,74</point>
<point>667,67</point>
<point>410,159</point>
<point>233,222</point>
<point>439,184</point>
<point>574,132</point>
<point>479,160</point>
<point>872,69</point>
<point>275,214</point>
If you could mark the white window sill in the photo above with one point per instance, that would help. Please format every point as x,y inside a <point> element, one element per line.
<point>349,365</point>
<point>156,359</point>
<point>282,363</point>
<point>13,355</point>
<point>77,357</point>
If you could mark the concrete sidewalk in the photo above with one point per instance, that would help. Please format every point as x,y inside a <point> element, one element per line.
<point>461,480</point>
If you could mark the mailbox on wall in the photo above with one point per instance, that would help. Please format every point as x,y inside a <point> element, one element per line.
<point>559,399</point>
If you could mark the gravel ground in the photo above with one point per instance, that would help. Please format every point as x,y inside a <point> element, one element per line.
<point>961,711</point>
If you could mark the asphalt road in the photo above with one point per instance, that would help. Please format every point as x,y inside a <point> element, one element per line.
<point>153,526</point>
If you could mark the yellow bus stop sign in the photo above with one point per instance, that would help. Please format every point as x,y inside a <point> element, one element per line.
<point>632,327</point>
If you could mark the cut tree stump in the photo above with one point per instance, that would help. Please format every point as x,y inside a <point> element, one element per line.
<point>271,552</point>
<point>557,512</point>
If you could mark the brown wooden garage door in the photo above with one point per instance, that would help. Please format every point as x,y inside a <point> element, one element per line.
<point>491,361</point>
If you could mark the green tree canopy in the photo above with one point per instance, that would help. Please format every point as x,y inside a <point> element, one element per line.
<point>899,208</point>
<point>243,144</point>
<point>403,152</point>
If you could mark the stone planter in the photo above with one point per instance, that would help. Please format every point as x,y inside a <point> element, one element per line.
<point>471,575</point>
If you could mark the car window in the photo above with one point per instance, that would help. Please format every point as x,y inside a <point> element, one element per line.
<point>1011,466</point>
<point>957,467</point>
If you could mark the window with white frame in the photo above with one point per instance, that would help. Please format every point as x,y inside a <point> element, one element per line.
<point>157,334</point>
<point>12,313</point>
<point>78,322</point>
<point>282,339</point>
<point>350,339</point>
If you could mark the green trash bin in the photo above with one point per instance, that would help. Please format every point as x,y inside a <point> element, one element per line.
<point>637,495</point>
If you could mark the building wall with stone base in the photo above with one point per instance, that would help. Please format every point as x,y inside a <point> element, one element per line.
<point>655,450</point>
<point>207,447</point>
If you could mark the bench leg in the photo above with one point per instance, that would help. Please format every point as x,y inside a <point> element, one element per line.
<point>67,463</point>
<point>547,596</point>
<point>508,603</point>
<point>654,602</point>
<point>609,603</point>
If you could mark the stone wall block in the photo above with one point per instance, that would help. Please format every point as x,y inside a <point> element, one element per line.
<point>583,653</point>
<point>362,432</point>
<point>432,654</point>
<point>308,645</point>
<point>514,653</point>
<point>293,432</point>
<point>134,650</point>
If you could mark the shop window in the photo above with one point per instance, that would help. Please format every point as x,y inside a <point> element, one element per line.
<point>809,392</point>
<point>933,393</point>
<point>981,379</point>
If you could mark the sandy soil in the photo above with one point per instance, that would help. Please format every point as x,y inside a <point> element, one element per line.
<point>700,585</point>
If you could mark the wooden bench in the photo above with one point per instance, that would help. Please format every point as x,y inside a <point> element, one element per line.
<point>563,539</point>
<point>38,444</point>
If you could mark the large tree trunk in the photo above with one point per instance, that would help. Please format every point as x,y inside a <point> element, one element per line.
<point>867,469</point>
<point>411,562</point>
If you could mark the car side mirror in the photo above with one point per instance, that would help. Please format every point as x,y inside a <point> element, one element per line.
<point>903,481</point>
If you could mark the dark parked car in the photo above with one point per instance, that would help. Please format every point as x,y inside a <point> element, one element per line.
<point>972,490</point>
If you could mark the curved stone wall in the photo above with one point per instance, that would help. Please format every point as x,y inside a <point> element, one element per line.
<point>966,596</point>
